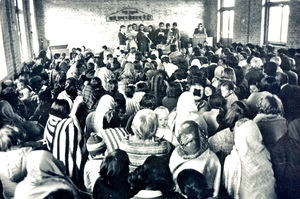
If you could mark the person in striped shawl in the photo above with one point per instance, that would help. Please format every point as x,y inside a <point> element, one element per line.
<point>64,140</point>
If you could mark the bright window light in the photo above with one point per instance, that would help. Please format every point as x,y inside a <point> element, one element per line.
<point>278,23</point>
<point>3,68</point>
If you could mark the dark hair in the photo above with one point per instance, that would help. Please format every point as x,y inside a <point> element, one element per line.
<point>154,174</point>
<point>154,63</point>
<point>269,84</point>
<point>285,63</point>
<point>158,86</point>
<point>228,84</point>
<point>173,48</point>
<point>60,193</point>
<point>56,56</point>
<point>174,90</point>
<point>165,59</point>
<point>114,171</point>
<point>148,101</point>
<point>239,74</point>
<point>229,74</point>
<point>216,101</point>
<point>180,74</point>
<point>129,91</point>
<point>193,184</point>
<point>203,60</point>
<point>232,61</point>
<point>45,95</point>
<point>215,58</point>
<point>198,77</point>
<point>270,68</point>
<point>114,167</point>
<point>196,51</point>
<point>193,69</point>
<point>60,108</point>
<point>71,88</point>
<point>138,56</point>
<point>152,46</point>
<point>109,56</point>
<point>282,78</point>
<point>151,27</point>
<point>238,110</point>
<point>142,87</point>
<point>122,26</point>
<point>137,65</point>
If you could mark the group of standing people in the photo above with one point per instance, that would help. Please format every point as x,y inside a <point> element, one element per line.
<point>141,37</point>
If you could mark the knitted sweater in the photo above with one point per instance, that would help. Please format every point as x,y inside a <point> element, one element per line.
<point>138,152</point>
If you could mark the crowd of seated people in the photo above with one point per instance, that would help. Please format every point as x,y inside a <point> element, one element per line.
<point>206,122</point>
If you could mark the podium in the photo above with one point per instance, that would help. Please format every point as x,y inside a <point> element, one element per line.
<point>198,38</point>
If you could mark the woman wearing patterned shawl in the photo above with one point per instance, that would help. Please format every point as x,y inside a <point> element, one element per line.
<point>193,153</point>
<point>247,170</point>
<point>45,175</point>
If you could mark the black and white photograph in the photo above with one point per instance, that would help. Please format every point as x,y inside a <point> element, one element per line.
<point>149,99</point>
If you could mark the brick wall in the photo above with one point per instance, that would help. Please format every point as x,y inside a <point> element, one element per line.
<point>211,17</point>
<point>10,37</point>
<point>294,25</point>
<point>78,22</point>
<point>247,21</point>
<point>248,25</point>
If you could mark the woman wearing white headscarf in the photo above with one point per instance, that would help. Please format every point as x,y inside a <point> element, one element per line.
<point>45,175</point>
<point>99,119</point>
<point>247,170</point>
<point>128,71</point>
<point>105,75</point>
<point>186,110</point>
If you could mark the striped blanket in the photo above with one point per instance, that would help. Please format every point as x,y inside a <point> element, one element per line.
<point>113,137</point>
<point>64,141</point>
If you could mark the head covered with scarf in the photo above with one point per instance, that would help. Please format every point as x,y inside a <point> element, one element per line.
<point>187,110</point>
<point>192,140</point>
<point>45,175</point>
<point>105,109</point>
<point>248,169</point>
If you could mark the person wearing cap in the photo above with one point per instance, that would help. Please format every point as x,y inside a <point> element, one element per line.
<point>96,147</point>
<point>193,153</point>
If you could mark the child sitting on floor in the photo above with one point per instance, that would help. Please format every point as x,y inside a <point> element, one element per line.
<point>163,130</point>
<point>23,90</point>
